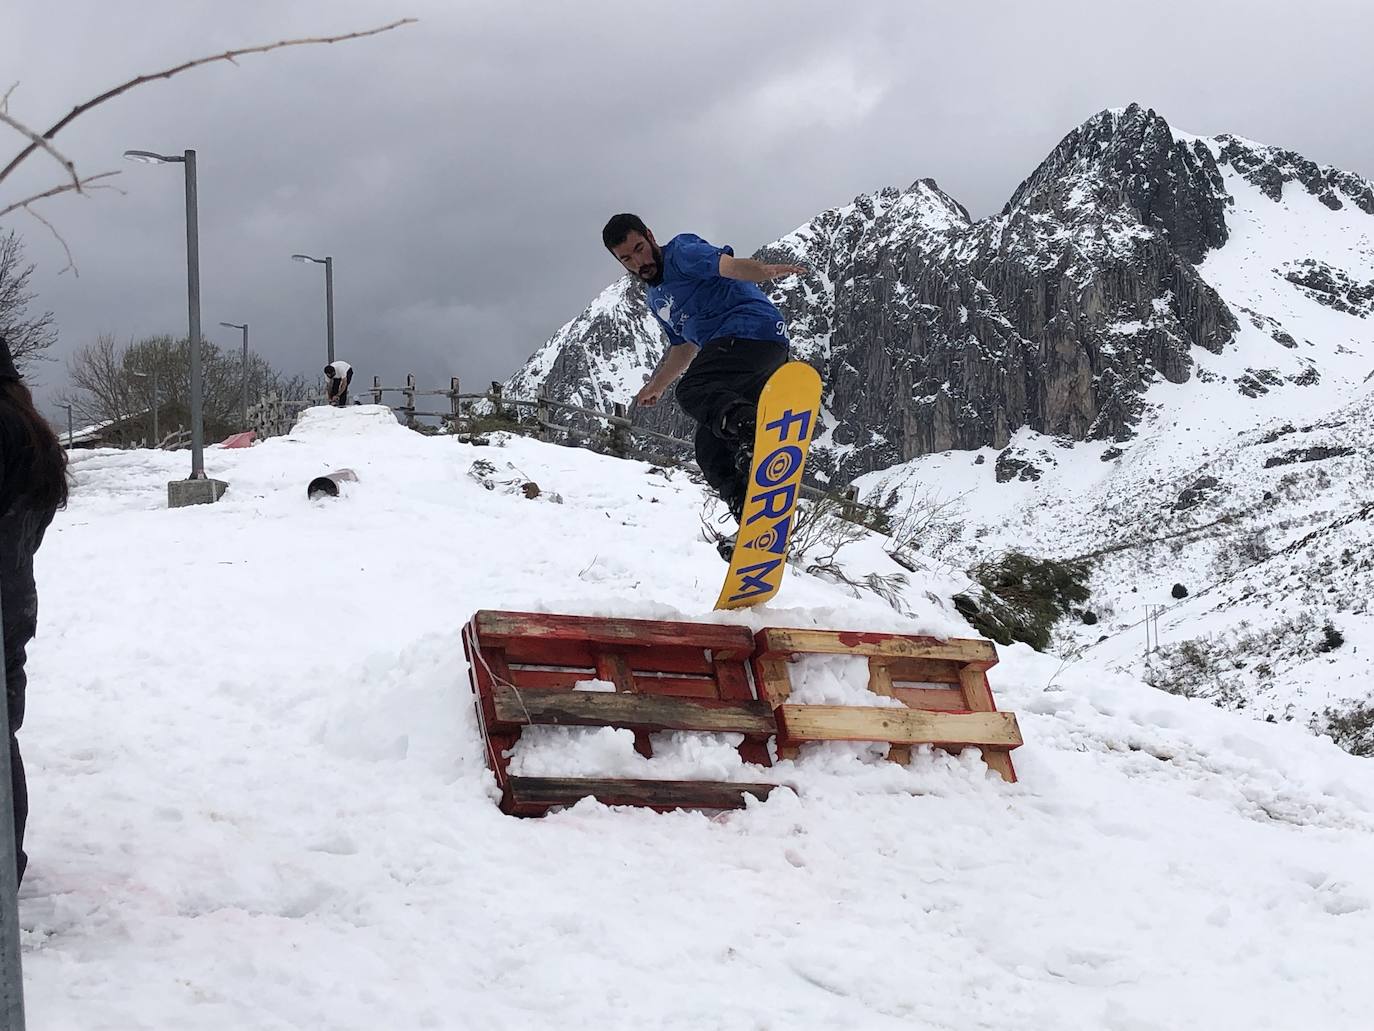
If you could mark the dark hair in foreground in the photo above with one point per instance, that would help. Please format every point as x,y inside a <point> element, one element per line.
<point>42,464</point>
<point>621,226</point>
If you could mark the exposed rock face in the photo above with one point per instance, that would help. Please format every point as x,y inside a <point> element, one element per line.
<point>1332,287</point>
<point>1270,168</point>
<point>933,332</point>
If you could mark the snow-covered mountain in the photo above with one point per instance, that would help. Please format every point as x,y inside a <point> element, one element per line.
<point>1131,251</point>
<point>1158,355</point>
<point>259,796</point>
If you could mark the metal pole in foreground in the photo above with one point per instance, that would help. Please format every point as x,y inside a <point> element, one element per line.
<point>11,963</point>
<point>193,303</point>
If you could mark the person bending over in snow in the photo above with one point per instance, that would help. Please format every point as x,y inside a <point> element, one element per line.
<point>340,376</point>
<point>723,333</point>
<point>33,486</point>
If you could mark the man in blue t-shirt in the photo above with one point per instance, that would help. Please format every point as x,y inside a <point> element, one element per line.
<point>723,332</point>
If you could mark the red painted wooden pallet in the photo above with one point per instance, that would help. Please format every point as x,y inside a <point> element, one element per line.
<point>942,684</point>
<point>667,676</point>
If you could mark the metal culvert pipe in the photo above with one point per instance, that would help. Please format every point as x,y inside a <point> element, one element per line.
<point>327,486</point>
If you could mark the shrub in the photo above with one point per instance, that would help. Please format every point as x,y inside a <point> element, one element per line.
<point>1022,598</point>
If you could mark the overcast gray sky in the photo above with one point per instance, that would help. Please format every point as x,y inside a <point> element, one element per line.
<point>459,170</point>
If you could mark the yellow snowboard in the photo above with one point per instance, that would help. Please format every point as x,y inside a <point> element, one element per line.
<point>788,410</point>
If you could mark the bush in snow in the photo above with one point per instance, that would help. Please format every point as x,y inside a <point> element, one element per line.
<point>1022,598</point>
<point>1350,726</point>
<point>1229,669</point>
<point>1331,639</point>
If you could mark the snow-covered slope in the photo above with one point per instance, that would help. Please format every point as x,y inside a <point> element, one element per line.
<point>1263,452</point>
<point>259,798</point>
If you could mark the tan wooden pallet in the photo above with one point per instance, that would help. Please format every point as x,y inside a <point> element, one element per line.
<point>942,684</point>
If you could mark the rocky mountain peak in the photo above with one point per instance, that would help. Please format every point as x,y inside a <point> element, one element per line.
<point>933,332</point>
<point>1131,157</point>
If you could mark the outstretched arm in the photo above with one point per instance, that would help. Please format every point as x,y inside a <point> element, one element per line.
<point>674,364</point>
<point>752,271</point>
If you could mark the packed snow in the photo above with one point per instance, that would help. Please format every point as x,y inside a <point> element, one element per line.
<point>259,797</point>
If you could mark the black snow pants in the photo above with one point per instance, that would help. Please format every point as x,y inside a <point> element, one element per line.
<point>726,372</point>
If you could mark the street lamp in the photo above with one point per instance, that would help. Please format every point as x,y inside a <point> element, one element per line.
<point>157,439</point>
<point>328,264</point>
<point>178,496</point>
<point>244,399</point>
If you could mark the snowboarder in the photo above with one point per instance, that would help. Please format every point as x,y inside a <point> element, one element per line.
<point>33,486</point>
<point>725,339</point>
<point>340,376</point>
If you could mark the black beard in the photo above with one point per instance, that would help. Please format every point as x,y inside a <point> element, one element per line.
<point>658,265</point>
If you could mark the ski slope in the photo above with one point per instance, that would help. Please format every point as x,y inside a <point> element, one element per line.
<point>259,799</point>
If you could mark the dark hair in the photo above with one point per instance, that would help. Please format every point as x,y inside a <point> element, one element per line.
<point>43,463</point>
<point>621,226</point>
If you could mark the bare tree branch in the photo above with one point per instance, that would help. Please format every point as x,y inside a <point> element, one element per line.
<point>5,100</point>
<point>39,141</point>
<point>228,55</point>
<point>71,262</point>
<point>54,191</point>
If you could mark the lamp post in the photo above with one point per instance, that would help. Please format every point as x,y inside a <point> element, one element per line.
<point>68,407</point>
<point>328,263</point>
<point>244,399</point>
<point>157,438</point>
<point>177,496</point>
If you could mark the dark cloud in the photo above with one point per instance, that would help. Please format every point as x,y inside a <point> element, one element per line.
<point>459,170</point>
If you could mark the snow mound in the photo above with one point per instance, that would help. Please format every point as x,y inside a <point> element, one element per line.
<point>354,420</point>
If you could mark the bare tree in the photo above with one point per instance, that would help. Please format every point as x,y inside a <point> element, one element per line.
<point>114,385</point>
<point>28,335</point>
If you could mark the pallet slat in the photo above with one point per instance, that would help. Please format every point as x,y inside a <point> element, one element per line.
<point>798,723</point>
<point>923,671</point>
<point>782,642</point>
<point>534,796</point>
<point>632,711</point>
<point>941,700</point>
<point>727,641</point>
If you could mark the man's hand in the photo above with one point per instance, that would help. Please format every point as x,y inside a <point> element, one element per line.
<point>649,394</point>
<point>752,271</point>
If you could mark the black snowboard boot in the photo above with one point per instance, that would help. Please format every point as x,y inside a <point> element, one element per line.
<point>736,427</point>
<point>725,546</point>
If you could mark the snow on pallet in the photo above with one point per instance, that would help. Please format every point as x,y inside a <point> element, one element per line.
<point>942,685</point>
<point>646,676</point>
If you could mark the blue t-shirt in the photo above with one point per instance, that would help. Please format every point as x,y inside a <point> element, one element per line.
<point>696,304</point>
